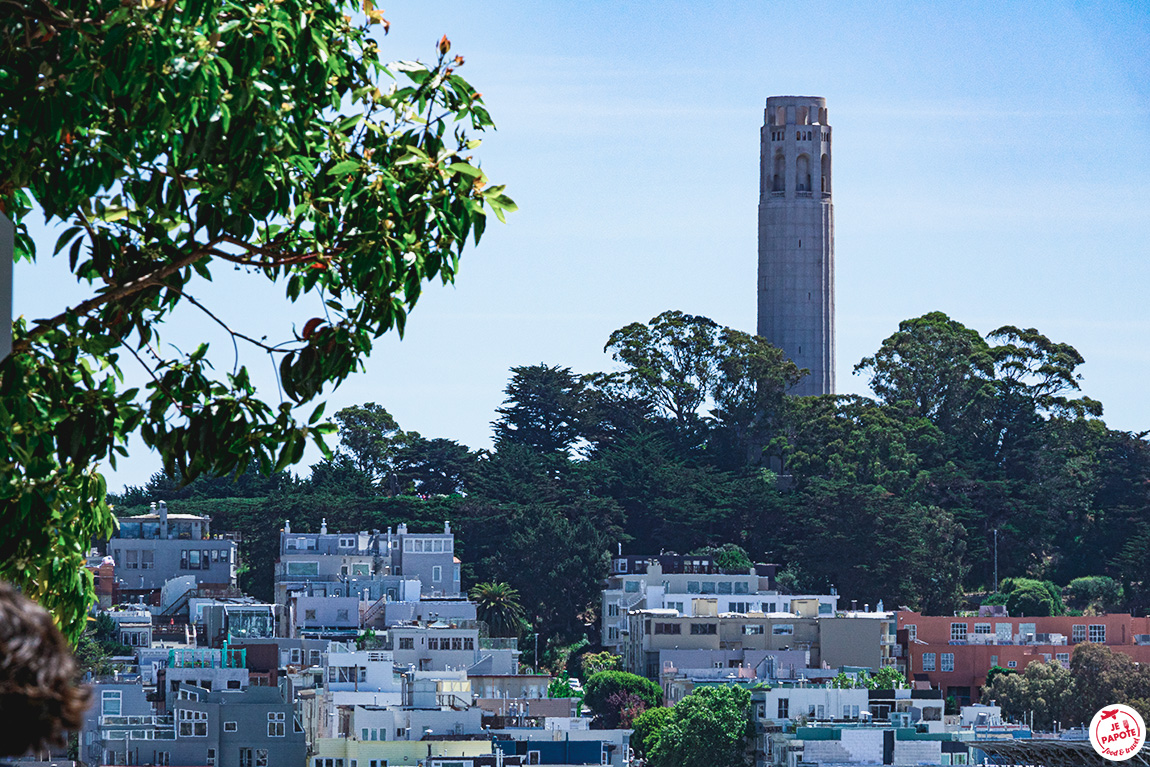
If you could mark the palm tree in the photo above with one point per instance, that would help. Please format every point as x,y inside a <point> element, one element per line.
<point>498,605</point>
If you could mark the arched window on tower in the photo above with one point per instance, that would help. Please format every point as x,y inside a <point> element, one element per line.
<point>822,115</point>
<point>803,174</point>
<point>780,115</point>
<point>804,116</point>
<point>779,182</point>
<point>826,174</point>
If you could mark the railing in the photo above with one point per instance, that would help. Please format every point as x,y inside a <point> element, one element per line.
<point>498,643</point>
<point>779,194</point>
<point>803,194</point>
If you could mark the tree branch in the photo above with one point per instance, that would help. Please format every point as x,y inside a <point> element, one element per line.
<point>115,294</point>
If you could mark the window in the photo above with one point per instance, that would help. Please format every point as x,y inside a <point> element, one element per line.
<point>457,643</point>
<point>928,661</point>
<point>313,658</point>
<point>347,543</point>
<point>162,757</point>
<point>631,587</point>
<point>133,560</point>
<point>147,560</point>
<point>193,724</point>
<point>276,724</point>
<point>433,643</point>
<point>725,587</point>
<point>982,628</point>
<point>437,545</point>
<point>707,587</point>
<point>110,701</point>
<point>211,756</point>
<point>261,757</point>
<point>303,568</point>
<point>194,559</point>
<point>692,587</point>
<point>533,757</point>
<point>230,726</point>
<point>1063,658</point>
<point>1012,664</point>
<point>360,568</point>
<point>1098,632</point>
<point>668,628</point>
<point>958,632</point>
<point>294,655</point>
<point>704,628</point>
<point>753,628</point>
<point>436,574</point>
<point>784,708</point>
<point>740,607</point>
<point>407,643</point>
<point>993,660</point>
<point>309,615</point>
<point>911,631</point>
<point>783,629</point>
<point>341,615</point>
<point>1078,633</point>
<point>741,587</point>
<point>246,759</point>
<point>613,610</point>
<point>947,661</point>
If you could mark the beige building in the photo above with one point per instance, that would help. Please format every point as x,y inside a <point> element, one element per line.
<point>829,641</point>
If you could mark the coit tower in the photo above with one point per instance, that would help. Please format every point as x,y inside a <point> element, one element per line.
<point>797,238</point>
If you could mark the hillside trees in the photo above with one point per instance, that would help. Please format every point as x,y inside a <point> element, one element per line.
<point>175,139</point>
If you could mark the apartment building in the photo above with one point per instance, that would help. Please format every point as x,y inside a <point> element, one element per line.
<point>306,559</point>
<point>150,549</point>
<point>954,654</point>
<point>239,728</point>
<point>692,586</point>
<point>829,641</point>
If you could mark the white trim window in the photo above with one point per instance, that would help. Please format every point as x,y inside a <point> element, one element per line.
<point>193,724</point>
<point>276,724</point>
<point>111,703</point>
<point>958,632</point>
<point>1098,633</point>
<point>946,662</point>
<point>928,661</point>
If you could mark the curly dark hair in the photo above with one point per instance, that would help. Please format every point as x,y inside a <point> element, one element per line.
<point>39,697</point>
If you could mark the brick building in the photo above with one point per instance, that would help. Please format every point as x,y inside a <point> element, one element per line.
<point>953,653</point>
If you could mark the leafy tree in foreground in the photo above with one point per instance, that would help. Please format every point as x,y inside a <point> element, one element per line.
<point>175,139</point>
<point>708,728</point>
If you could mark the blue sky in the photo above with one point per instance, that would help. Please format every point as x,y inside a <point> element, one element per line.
<point>991,162</point>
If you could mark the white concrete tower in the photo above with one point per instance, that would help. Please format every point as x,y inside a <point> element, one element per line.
<point>797,238</point>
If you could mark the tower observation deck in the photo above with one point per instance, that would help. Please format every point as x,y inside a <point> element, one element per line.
<point>796,285</point>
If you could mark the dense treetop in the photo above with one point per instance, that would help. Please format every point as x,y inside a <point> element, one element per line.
<point>692,445</point>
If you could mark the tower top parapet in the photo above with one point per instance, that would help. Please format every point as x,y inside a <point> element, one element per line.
<point>796,110</point>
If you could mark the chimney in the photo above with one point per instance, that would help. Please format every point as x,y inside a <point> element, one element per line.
<point>323,527</point>
<point>287,526</point>
<point>163,520</point>
<point>446,527</point>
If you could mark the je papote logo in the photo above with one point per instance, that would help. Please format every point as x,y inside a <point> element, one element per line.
<point>1117,732</point>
